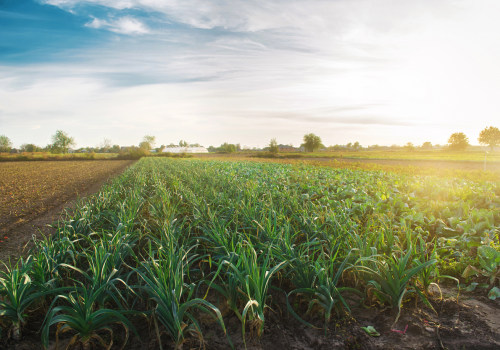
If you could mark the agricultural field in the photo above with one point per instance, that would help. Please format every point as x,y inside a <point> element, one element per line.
<point>31,189</point>
<point>47,156</point>
<point>471,170</point>
<point>178,253</point>
<point>440,155</point>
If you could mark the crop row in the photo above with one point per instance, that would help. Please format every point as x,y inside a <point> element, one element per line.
<point>170,240</point>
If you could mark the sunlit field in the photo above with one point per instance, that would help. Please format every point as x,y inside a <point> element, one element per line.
<point>471,155</point>
<point>472,170</point>
<point>190,244</point>
<point>38,156</point>
<point>193,174</point>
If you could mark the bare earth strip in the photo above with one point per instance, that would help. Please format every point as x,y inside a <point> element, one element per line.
<point>34,194</point>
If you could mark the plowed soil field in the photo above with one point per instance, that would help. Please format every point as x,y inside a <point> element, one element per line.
<point>33,194</point>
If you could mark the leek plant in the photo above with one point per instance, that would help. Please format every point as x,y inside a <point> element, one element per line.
<point>164,283</point>
<point>422,253</point>
<point>47,256</point>
<point>103,275</point>
<point>165,227</point>
<point>254,273</point>
<point>83,316</point>
<point>229,285</point>
<point>391,278</point>
<point>319,281</point>
<point>17,293</point>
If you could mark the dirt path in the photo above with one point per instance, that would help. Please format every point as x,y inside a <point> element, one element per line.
<point>17,230</point>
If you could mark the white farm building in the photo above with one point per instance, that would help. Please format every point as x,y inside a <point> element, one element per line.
<point>185,150</point>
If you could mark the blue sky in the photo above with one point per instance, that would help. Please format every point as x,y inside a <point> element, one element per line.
<point>246,71</point>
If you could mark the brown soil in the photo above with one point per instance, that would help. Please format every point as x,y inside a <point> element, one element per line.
<point>34,195</point>
<point>472,323</point>
<point>469,324</point>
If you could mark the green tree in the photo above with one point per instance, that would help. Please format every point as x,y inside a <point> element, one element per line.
<point>458,141</point>
<point>490,136</point>
<point>228,147</point>
<point>183,143</point>
<point>29,147</point>
<point>311,142</point>
<point>409,147</point>
<point>5,144</point>
<point>61,142</point>
<point>427,145</point>
<point>273,146</point>
<point>147,143</point>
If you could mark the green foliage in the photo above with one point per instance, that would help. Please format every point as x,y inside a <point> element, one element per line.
<point>170,234</point>
<point>227,148</point>
<point>163,279</point>
<point>29,148</point>
<point>371,331</point>
<point>391,277</point>
<point>18,292</point>
<point>311,142</point>
<point>489,260</point>
<point>494,293</point>
<point>253,273</point>
<point>83,316</point>
<point>490,136</point>
<point>5,144</point>
<point>133,152</point>
<point>427,145</point>
<point>322,286</point>
<point>273,146</point>
<point>355,146</point>
<point>61,142</point>
<point>489,264</point>
<point>458,141</point>
<point>147,143</point>
<point>409,147</point>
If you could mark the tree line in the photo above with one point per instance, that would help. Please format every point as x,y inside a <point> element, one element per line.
<point>489,136</point>
<point>62,143</point>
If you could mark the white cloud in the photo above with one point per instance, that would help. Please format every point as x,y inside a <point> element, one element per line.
<point>280,68</point>
<point>312,16</point>
<point>123,25</point>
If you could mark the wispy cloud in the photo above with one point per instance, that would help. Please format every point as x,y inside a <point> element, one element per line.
<point>249,70</point>
<point>123,25</point>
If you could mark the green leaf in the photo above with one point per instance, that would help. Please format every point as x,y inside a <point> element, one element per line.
<point>494,293</point>
<point>371,331</point>
<point>471,287</point>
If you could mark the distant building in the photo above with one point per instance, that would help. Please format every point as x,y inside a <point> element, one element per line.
<point>185,150</point>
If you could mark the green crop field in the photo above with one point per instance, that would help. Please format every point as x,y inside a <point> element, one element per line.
<point>188,244</point>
